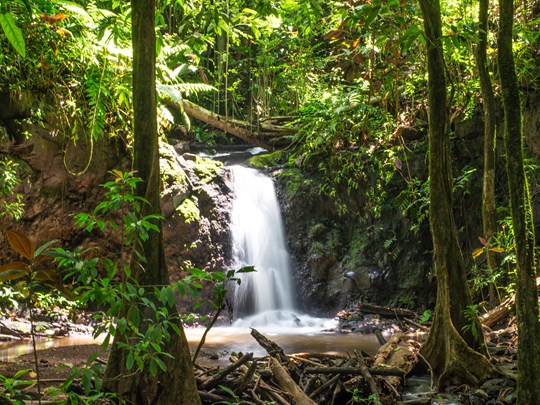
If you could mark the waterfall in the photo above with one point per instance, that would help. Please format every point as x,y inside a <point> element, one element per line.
<point>258,240</point>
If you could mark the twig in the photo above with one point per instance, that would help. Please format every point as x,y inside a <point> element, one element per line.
<point>327,384</point>
<point>215,380</point>
<point>203,338</point>
<point>367,376</point>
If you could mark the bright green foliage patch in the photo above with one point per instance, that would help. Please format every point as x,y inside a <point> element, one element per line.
<point>189,210</point>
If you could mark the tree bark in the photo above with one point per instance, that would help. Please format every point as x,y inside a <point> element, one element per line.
<point>528,389</point>
<point>177,384</point>
<point>451,348</point>
<point>489,208</point>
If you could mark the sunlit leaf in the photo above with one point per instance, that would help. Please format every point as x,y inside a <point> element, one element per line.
<point>13,33</point>
<point>21,244</point>
<point>53,19</point>
<point>477,252</point>
<point>497,249</point>
<point>62,31</point>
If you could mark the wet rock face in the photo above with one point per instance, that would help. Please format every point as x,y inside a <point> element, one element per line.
<point>338,259</point>
<point>196,204</point>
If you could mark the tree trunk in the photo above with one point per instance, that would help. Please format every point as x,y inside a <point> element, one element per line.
<point>489,208</point>
<point>452,345</point>
<point>528,389</point>
<point>177,384</point>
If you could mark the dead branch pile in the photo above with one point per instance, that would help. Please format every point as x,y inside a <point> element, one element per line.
<point>309,378</point>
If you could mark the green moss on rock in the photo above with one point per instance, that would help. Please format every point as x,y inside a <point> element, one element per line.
<point>295,181</point>
<point>266,160</point>
<point>189,210</point>
<point>207,169</point>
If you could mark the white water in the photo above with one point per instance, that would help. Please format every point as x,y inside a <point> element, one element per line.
<point>259,241</point>
<point>264,298</point>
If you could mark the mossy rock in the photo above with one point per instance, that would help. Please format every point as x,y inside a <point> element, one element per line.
<point>207,169</point>
<point>189,210</point>
<point>295,182</point>
<point>266,160</point>
<point>170,170</point>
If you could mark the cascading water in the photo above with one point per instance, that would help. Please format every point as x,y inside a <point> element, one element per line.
<point>259,241</point>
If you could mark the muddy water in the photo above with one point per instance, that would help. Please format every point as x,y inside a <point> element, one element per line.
<point>223,341</point>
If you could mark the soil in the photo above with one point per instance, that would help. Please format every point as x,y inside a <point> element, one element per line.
<point>55,367</point>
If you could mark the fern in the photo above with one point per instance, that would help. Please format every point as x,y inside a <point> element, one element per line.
<point>174,91</point>
<point>96,93</point>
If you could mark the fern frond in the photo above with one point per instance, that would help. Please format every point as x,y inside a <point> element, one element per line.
<point>97,101</point>
<point>78,12</point>
<point>174,91</point>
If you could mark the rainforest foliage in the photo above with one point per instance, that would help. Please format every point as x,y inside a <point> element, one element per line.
<point>349,78</point>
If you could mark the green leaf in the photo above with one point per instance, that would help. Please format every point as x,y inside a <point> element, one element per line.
<point>153,367</point>
<point>228,391</point>
<point>160,363</point>
<point>44,247</point>
<point>247,269</point>
<point>130,362</point>
<point>13,33</point>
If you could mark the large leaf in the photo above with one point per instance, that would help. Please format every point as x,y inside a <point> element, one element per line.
<point>21,244</point>
<point>13,274</point>
<point>14,266</point>
<point>13,33</point>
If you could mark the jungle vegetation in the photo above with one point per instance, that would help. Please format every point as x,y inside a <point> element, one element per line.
<point>354,82</point>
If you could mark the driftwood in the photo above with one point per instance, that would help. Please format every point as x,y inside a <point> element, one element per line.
<point>384,311</point>
<point>265,134</point>
<point>367,376</point>
<point>398,353</point>
<point>308,378</point>
<point>287,384</point>
<point>215,380</point>
<point>272,348</point>
<point>502,310</point>
<point>354,370</point>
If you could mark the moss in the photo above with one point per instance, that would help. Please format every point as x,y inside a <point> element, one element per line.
<point>207,169</point>
<point>170,171</point>
<point>189,210</point>
<point>266,160</point>
<point>295,181</point>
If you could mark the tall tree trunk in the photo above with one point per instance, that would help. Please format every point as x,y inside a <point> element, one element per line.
<point>489,207</point>
<point>452,345</point>
<point>528,389</point>
<point>177,384</point>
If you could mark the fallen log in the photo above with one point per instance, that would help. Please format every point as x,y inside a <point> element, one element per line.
<point>387,371</point>
<point>398,353</point>
<point>286,383</point>
<point>272,348</point>
<point>262,134</point>
<point>502,310</point>
<point>384,311</point>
